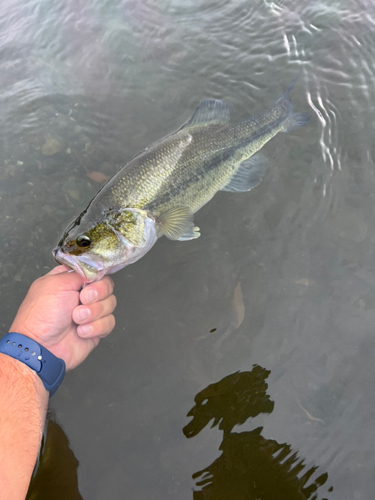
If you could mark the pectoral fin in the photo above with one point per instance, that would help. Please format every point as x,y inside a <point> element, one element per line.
<point>190,234</point>
<point>248,175</point>
<point>177,224</point>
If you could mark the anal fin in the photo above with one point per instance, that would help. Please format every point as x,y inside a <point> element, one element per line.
<point>248,175</point>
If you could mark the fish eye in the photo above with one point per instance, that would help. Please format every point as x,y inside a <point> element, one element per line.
<point>83,241</point>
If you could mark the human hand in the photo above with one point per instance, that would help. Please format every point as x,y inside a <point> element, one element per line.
<point>52,314</point>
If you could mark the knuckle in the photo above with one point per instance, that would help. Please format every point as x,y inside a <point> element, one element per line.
<point>105,326</point>
<point>109,285</point>
<point>104,289</point>
<point>101,308</point>
<point>114,302</point>
<point>38,283</point>
<point>97,310</point>
<point>111,323</point>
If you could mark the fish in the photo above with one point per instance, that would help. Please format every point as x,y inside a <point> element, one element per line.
<point>158,192</point>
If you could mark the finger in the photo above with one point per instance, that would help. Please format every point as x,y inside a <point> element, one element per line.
<point>58,270</point>
<point>97,291</point>
<point>58,280</point>
<point>86,314</point>
<point>97,329</point>
<point>66,282</point>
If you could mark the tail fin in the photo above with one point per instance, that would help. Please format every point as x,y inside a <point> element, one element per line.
<point>294,119</point>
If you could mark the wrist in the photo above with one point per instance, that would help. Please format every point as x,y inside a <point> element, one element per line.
<point>25,386</point>
<point>25,350</point>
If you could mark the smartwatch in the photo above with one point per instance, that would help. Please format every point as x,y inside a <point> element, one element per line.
<point>50,369</point>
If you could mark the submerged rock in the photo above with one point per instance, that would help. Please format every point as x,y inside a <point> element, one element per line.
<point>52,146</point>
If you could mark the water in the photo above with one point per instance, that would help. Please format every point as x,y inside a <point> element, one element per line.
<point>281,278</point>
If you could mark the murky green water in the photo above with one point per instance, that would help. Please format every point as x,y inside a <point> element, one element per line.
<point>282,277</point>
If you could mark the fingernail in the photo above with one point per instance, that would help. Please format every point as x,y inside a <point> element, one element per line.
<point>91,295</point>
<point>85,330</point>
<point>83,314</point>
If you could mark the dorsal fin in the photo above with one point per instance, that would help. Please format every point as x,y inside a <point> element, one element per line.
<point>210,113</point>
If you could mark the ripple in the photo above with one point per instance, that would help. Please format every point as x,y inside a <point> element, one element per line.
<point>107,77</point>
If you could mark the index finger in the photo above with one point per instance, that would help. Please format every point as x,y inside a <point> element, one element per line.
<point>60,279</point>
<point>96,291</point>
<point>58,270</point>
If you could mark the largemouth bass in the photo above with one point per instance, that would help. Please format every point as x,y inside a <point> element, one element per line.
<point>159,190</point>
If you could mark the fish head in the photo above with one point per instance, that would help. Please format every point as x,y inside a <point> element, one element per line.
<point>96,249</point>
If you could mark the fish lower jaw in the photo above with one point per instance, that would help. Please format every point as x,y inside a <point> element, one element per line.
<point>85,270</point>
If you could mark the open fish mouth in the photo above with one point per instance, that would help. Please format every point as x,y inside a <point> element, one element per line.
<point>86,270</point>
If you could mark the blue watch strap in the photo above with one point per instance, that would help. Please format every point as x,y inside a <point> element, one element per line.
<point>50,369</point>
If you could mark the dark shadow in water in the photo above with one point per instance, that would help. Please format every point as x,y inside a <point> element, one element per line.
<point>230,402</point>
<point>55,475</point>
<point>250,466</point>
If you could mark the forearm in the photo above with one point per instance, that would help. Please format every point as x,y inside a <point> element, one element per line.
<point>23,406</point>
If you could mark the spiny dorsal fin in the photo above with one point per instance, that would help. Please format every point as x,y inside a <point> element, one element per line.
<point>210,113</point>
<point>177,224</point>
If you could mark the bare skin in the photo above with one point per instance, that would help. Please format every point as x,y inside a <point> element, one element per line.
<point>52,313</point>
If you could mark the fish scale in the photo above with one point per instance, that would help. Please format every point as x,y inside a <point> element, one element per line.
<point>205,169</point>
<point>160,189</point>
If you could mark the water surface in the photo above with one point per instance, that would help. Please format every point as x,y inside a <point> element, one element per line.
<point>282,278</point>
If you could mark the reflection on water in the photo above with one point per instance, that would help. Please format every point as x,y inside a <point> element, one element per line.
<point>250,466</point>
<point>281,277</point>
<point>55,475</point>
<point>230,402</point>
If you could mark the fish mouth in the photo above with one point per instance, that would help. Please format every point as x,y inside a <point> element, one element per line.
<point>87,268</point>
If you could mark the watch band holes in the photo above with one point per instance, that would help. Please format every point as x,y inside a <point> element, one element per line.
<point>8,341</point>
<point>26,349</point>
<point>33,353</point>
<point>13,343</point>
<point>27,358</point>
<point>19,346</point>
